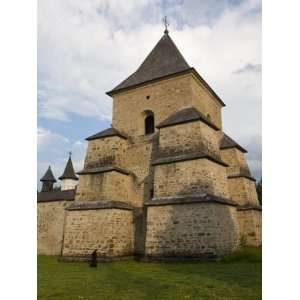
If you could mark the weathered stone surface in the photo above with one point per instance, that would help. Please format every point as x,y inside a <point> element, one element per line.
<point>191,230</point>
<point>188,177</point>
<point>110,231</point>
<point>249,223</point>
<point>50,226</point>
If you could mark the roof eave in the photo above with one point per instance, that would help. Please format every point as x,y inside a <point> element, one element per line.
<point>193,70</point>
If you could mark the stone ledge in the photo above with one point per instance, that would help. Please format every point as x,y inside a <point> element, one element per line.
<point>103,170</point>
<point>249,207</point>
<point>185,157</point>
<point>110,132</point>
<point>67,195</point>
<point>95,205</point>
<point>241,175</point>
<point>186,115</point>
<point>189,199</point>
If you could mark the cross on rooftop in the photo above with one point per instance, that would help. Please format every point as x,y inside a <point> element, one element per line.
<point>166,23</point>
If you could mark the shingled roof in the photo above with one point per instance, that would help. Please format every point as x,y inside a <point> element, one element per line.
<point>48,176</point>
<point>185,115</point>
<point>106,133</point>
<point>165,59</point>
<point>69,172</point>
<point>227,142</point>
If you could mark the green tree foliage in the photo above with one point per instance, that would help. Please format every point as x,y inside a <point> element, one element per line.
<point>259,191</point>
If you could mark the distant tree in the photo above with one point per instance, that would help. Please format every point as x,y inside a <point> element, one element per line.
<point>259,191</point>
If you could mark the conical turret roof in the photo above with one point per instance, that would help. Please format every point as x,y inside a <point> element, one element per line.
<point>165,59</point>
<point>69,172</point>
<point>48,176</point>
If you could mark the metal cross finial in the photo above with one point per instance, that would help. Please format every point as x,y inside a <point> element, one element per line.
<point>165,22</point>
<point>70,153</point>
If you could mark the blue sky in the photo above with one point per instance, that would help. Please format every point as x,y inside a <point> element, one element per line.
<point>87,47</point>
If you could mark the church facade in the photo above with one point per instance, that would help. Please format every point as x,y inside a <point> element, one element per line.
<point>164,181</point>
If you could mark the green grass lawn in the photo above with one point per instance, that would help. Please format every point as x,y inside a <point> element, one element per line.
<point>235,277</point>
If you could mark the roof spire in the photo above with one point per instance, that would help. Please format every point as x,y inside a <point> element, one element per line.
<point>166,23</point>
<point>48,176</point>
<point>69,172</point>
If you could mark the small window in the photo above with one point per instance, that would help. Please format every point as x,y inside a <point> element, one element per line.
<point>149,124</point>
<point>148,97</point>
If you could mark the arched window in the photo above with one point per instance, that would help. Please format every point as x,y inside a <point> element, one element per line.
<point>149,124</point>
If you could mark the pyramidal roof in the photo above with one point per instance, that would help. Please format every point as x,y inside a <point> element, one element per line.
<point>185,115</point>
<point>165,59</point>
<point>106,133</point>
<point>69,171</point>
<point>48,176</point>
<point>228,142</point>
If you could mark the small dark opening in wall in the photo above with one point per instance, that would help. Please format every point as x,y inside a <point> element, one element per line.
<point>151,193</point>
<point>149,124</point>
<point>147,97</point>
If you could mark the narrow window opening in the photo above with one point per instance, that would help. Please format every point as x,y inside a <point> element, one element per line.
<point>149,124</point>
<point>148,97</point>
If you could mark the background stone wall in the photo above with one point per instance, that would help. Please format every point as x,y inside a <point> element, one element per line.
<point>189,177</point>
<point>50,226</point>
<point>243,191</point>
<point>110,231</point>
<point>191,230</point>
<point>250,226</point>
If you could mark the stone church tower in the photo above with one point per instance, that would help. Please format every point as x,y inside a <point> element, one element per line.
<point>164,180</point>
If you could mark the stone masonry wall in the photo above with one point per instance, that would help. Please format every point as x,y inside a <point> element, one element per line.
<point>191,230</point>
<point>165,98</point>
<point>104,186</point>
<point>187,138</point>
<point>250,224</point>
<point>50,226</point>
<point>110,231</point>
<point>138,161</point>
<point>105,151</point>
<point>243,191</point>
<point>236,161</point>
<point>189,177</point>
<point>205,102</point>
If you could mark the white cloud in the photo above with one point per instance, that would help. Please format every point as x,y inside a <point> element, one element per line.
<point>46,139</point>
<point>85,48</point>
